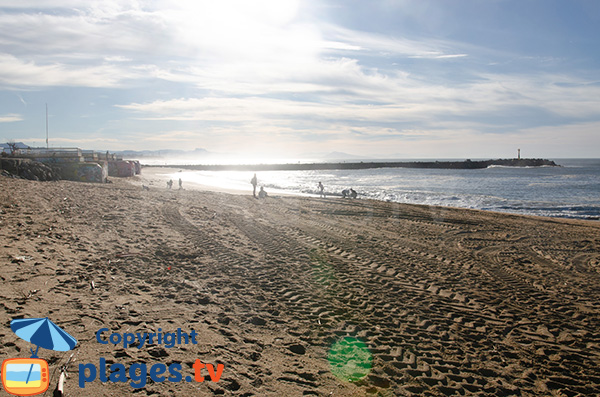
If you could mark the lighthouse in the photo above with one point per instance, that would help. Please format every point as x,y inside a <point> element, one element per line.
<point>518,154</point>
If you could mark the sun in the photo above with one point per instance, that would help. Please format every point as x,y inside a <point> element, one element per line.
<point>272,12</point>
<point>231,25</point>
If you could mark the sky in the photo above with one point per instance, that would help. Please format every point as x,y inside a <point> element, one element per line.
<point>291,78</point>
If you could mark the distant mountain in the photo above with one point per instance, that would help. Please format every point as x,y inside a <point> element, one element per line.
<point>332,156</point>
<point>6,147</point>
<point>342,155</point>
<point>163,153</point>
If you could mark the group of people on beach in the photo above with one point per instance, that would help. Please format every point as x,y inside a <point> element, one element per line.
<point>345,193</point>
<point>170,184</point>
<point>262,193</point>
<point>351,193</point>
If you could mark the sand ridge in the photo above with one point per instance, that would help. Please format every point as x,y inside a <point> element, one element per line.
<point>448,301</point>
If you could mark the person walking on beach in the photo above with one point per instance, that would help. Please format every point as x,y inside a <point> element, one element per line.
<point>353,193</point>
<point>321,188</point>
<point>254,182</point>
<point>170,184</point>
<point>180,184</point>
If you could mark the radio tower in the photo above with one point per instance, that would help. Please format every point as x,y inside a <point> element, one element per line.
<point>46,126</point>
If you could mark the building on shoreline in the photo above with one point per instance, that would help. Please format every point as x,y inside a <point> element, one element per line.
<point>68,163</point>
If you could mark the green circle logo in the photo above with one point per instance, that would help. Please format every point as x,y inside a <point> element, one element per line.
<point>350,359</point>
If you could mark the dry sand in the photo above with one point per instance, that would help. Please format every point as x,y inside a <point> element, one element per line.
<point>447,301</point>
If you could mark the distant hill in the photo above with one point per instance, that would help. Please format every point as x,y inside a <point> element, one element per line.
<point>6,147</point>
<point>341,156</point>
<point>331,156</point>
<point>171,153</point>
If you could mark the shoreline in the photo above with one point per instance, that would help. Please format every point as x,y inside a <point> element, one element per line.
<point>157,176</point>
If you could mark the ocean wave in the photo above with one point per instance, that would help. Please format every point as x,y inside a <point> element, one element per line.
<point>480,202</point>
<point>552,191</point>
<point>519,167</point>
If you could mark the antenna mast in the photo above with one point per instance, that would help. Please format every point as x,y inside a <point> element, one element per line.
<point>46,126</point>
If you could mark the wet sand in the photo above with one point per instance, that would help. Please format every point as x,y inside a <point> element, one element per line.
<point>446,301</point>
<point>156,177</point>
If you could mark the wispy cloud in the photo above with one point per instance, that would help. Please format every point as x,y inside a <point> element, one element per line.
<point>83,142</point>
<point>15,73</point>
<point>437,55</point>
<point>350,40</point>
<point>10,118</point>
<point>363,96</point>
<point>95,38</point>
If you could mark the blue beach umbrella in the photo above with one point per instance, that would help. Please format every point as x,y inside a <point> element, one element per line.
<point>43,332</point>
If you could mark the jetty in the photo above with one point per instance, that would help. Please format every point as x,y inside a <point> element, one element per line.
<point>456,165</point>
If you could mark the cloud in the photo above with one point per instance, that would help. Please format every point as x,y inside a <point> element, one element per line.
<point>117,59</point>
<point>83,142</point>
<point>39,5</point>
<point>170,136</point>
<point>350,40</point>
<point>10,118</point>
<point>436,55</point>
<point>353,104</point>
<point>342,89</point>
<point>235,68</point>
<point>15,72</point>
<point>559,94</point>
<point>223,41</point>
<point>88,31</point>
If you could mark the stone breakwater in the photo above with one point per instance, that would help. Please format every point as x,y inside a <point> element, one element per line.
<point>68,164</point>
<point>460,165</point>
<point>28,169</point>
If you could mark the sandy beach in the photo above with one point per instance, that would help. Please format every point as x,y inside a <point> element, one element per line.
<point>301,296</point>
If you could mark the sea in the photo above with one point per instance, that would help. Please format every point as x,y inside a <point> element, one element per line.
<point>571,190</point>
